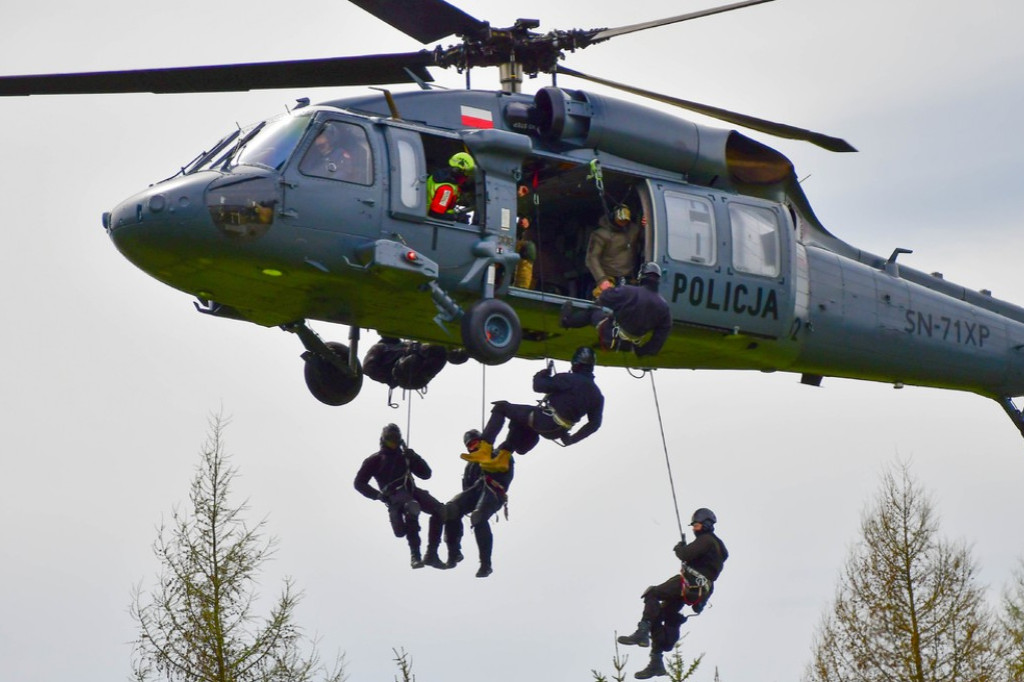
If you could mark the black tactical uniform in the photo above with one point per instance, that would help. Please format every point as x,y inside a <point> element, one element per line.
<point>702,563</point>
<point>404,364</point>
<point>636,312</point>
<point>393,468</point>
<point>483,494</point>
<point>569,397</point>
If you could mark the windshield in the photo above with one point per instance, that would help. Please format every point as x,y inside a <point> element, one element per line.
<point>270,144</point>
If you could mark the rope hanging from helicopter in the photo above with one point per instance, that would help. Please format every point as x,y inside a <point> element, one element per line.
<point>668,462</point>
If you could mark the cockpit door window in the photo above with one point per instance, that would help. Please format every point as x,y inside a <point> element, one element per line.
<point>340,151</point>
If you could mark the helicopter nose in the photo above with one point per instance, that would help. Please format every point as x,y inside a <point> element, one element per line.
<point>160,228</point>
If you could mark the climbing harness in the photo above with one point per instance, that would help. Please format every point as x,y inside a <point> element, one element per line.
<point>695,586</point>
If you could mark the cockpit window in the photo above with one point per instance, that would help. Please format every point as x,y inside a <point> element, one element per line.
<point>272,143</point>
<point>340,151</point>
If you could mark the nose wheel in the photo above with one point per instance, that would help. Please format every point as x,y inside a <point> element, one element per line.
<point>330,382</point>
<point>332,370</point>
<point>491,331</point>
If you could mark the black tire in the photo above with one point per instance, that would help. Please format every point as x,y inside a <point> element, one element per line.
<point>491,331</point>
<point>327,382</point>
<point>457,356</point>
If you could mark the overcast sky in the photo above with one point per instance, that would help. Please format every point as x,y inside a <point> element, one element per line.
<point>109,376</point>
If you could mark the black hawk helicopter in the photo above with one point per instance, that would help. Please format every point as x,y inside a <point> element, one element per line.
<point>259,228</point>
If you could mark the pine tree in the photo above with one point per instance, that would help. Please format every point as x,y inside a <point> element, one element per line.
<point>198,624</point>
<point>1013,625</point>
<point>908,606</point>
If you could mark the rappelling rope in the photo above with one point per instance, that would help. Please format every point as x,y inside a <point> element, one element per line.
<point>408,419</point>
<point>483,392</point>
<point>668,463</point>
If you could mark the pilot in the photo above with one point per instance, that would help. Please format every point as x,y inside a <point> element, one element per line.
<point>569,396</point>
<point>639,319</point>
<point>484,492</point>
<point>445,187</point>
<point>340,151</point>
<point>393,468</point>
<point>702,563</point>
<point>613,248</point>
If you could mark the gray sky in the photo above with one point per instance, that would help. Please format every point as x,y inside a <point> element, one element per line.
<point>109,376</point>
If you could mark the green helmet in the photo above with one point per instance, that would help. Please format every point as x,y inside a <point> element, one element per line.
<point>461,161</point>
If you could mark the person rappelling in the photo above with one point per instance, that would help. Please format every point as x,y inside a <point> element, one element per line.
<point>393,468</point>
<point>484,493</point>
<point>662,617</point>
<point>569,396</point>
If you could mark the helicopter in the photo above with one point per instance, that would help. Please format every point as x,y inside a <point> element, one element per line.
<point>754,280</point>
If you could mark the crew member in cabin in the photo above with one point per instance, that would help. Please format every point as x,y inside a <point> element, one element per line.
<point>445,186</point>
<point>613,249</point>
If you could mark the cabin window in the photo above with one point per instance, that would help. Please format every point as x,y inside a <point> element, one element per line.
<point>340,151</point>
<point>755,239</point>
<point>691,228</point>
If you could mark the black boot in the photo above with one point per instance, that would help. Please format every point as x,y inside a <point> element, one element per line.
<point>454,557</point>
<point>642,636</point>
<point>416,561</point>
<point>484,571</point>
<point>431,559</point>
<point>656,668</point>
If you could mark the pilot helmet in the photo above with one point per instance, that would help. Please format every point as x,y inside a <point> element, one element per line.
<point>462,162</point>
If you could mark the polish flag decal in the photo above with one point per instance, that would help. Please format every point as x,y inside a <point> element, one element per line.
<point>476,118</point>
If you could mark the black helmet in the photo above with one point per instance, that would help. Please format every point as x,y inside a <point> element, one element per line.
<point>584,357</point>
<point>705,517</point>
<point>470,436</point>
<point>391,436</point>
<point>650,270</point>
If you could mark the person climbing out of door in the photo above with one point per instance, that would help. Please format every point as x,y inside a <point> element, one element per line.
<point>628,317</point>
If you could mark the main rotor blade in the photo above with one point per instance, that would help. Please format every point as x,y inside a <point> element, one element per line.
<point>607,33</point>
<point>309,73</point>
<point>833,144</point>
<point>425,20</point>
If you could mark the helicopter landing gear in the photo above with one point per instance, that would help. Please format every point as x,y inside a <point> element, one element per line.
<point>333,373</point>
<point>491,331</point>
